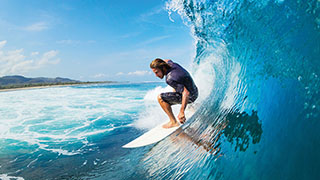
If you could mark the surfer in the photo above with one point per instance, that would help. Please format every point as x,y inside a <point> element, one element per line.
<point>184,89</point>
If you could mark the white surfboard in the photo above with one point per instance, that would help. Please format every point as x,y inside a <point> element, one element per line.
<point>154,135</point>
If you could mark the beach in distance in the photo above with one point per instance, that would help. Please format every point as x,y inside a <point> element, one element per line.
<point>13,83</point>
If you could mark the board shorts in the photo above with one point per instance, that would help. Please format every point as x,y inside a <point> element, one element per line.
<point>173,98</point>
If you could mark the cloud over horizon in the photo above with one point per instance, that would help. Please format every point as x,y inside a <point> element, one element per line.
<point>3,43</point>
<point>139,73</point>
<point>100,75</point>
<point>39,26</point>
<point>15,62</point>
<point>135,73</point>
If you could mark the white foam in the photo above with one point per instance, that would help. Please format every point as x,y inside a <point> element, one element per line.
<point>63,152</point>
<point>153,114</point>
<point>64,115</point>
<point>6,177</point>
<point>233,87</point>
<point>204,77</point>
<point>152,94</point>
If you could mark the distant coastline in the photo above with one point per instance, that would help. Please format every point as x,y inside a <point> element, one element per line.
<point>12,83</point>
<point>52,85</point>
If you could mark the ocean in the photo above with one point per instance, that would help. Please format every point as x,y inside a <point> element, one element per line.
<point>257,68</point>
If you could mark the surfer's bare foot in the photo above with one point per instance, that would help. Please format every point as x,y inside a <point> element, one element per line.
<point>170,125</point>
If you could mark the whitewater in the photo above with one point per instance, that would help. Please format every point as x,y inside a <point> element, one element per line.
<point>256,65</point>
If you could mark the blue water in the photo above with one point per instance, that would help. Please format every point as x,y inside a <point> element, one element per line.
<point>257,116</point>
<point>71,132</point>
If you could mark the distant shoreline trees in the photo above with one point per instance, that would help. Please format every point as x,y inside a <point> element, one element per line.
<point>17,86</point>
<point>17,81</point>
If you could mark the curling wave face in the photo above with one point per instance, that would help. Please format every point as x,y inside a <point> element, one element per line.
<point>261,117</point>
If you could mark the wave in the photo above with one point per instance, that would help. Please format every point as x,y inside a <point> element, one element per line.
<point>259,116</point>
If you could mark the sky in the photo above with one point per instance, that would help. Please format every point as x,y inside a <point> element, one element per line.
<point>90,40</point>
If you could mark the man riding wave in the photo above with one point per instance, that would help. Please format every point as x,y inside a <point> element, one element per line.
<point>185,90</point>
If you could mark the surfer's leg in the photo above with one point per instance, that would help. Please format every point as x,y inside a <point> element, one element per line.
<point>168,110</point>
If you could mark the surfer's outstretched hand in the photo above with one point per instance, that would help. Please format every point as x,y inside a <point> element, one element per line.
<point>181,117</point>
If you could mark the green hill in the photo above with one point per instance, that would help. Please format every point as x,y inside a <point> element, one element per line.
<point>20,80</point>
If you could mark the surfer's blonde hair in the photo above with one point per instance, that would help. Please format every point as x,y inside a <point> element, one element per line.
<point>160,64</point>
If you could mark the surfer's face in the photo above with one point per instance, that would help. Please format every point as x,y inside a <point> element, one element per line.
<point>158,72</point>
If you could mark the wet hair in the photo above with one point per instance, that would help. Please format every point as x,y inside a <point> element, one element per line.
<point>160,64</point>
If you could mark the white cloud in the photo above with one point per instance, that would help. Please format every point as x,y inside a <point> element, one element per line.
<point>3,43</point>
<point>148,16</point>
<point>15,62</point>
<point>135,73</point>
<point>47,58</point>
<point>39,26</point>
<point>101,75</point>
<point>34,53</point>
<point>67,41</point>
<point>74,42</point>
<point>120,73</point>
<point>155,39</point>
<point>139,73</point>
<point>130,35</point>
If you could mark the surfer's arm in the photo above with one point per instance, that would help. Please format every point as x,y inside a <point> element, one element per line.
<point>185,98</point>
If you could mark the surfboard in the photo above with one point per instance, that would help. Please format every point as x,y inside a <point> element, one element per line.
<point>152,136</point>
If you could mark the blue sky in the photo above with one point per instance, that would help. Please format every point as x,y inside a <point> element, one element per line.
<point>91,39</point>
